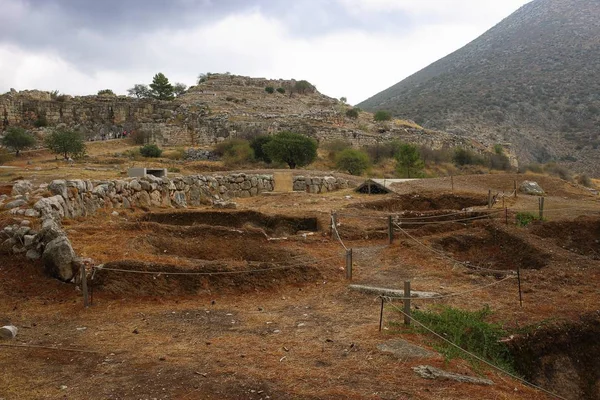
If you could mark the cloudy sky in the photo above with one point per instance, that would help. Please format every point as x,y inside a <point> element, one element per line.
<point>352,48</point>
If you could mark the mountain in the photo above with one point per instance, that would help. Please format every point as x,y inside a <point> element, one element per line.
<point>532,80</point>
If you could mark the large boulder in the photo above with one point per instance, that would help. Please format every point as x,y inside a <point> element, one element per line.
<point>58,258</point>
<point>58,187</point>
<point>531,188</point>
<point>21,187</point>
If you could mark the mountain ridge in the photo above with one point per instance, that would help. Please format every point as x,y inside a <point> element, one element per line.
<point>529,80</point>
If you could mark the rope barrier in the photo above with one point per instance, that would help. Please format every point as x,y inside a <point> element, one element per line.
<point>282,267</point>
<point>337,234</point>
<point>496,271</point>
<point>453,294</point>
<point>477,357</point>
<point>450,221</point>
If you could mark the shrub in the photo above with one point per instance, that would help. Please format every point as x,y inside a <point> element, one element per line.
<point>381,116</point>
<point>17,139</point>
<point>535,168</point>
<point>470,331</point>
<point>106,92</point>
<point>175,154</point>
<point>525,218</point>
<point>281,90</point>
<point>303,87</point>
<point>467,157</point>
<point>585,180</point>
<point>498,149</point>
<point>498,162</point>
<point>294,149</point>
<point>257,146</point>
<point>431,156</point>
<point>150,150</point>
<point>41,122</point>
<point>354,161</point>
<point>558,170</point>
<point>235,151</point>
<point>352,113</point>
<point>270,89</point>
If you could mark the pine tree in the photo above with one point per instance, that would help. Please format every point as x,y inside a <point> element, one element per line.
<point>160,87</point>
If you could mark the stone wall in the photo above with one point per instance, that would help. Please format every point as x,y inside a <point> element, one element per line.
<point>74,198</point>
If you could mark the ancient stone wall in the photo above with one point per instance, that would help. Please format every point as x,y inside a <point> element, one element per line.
<point>75,198</point>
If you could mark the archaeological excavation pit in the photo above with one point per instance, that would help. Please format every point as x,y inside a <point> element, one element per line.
<point>581,236</point>
<point>272,225</point>
<point>424,203</point>
<point>492,248</point>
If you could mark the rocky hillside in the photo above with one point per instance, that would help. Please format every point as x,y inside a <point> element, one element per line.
<point>224,106</point>
<point>531,80</point>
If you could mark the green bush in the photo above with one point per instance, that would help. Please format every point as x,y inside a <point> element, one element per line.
<point>352,113</point>
<point>470,331</point>
<point>381,116</point>
<point>270,89</point>
<point>150,150</point>
<point>294,149</point>
<point>281,90</point>
<point>467,157</point>
<point>41,122</point>
<point>235,151</point>
<point>106,92</point>
<point>525,218</point>
<point>257,146</point>
<point>354,161</point>
<point>585,180</point>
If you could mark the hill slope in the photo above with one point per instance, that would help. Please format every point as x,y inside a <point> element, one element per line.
<point>531,80</point>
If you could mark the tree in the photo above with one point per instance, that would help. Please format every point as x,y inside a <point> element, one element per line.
<point>203,77</point>
<point>382,116</point>
<point>257,145</point>
<point>281,90</point>
<point>270,89</point>
<point>150,150</point>
<point>140,91</point>
<point>17,139</point>
<point>66,142</point>
<point>344,100</point>
<point>409,162</point>
<point>179,89</point>
<point>352,113</point>
<point>160,88</point>
<point>354,161</point>
<point>291,148</point>
<point>302,86</point>
<point>106,92</point>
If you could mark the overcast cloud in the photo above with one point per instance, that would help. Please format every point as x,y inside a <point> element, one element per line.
<point>352,48</point>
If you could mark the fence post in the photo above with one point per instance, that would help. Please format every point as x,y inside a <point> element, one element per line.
<point>406,302</point>
<point>490,198</point>
<point>381,315</point>
<point>349,264</point>
<point>333,224</point>
<point>390,229</point>
<point>541,202</point>
<point>519,279</point>
<point>84,287</point>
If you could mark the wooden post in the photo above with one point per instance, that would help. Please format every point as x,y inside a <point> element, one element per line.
<point>406,302</point>
<point>84,287</point>
<point>333,224</point>
<point>390,229</point>
<point>519,279</point>
<point>541,200</point>
<point>381,315</point>
<point>452,182</point>
<point>515,187</point>
<point>349,264</point>
<point>490,198</point>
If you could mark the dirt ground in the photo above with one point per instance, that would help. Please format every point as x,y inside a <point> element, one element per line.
<point>283,323</point>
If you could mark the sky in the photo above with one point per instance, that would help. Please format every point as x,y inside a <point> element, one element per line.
<point>349,48</point>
